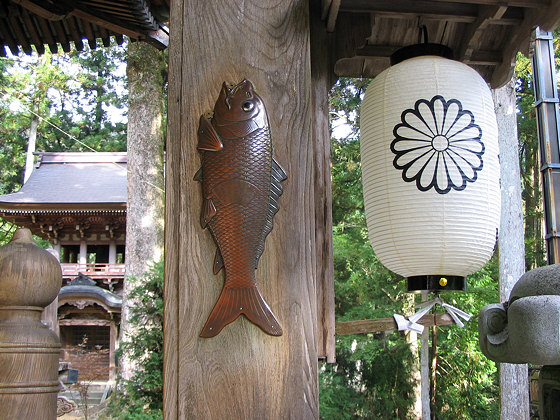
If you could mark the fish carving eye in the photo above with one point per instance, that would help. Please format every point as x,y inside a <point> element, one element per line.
<point>247,106</point>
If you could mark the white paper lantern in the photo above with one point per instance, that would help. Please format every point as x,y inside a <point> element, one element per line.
<point>430,170</point>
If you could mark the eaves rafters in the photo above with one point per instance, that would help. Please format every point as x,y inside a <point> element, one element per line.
<point>486,34</point>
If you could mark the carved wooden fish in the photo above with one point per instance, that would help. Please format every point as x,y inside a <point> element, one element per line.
<point>241,185</point>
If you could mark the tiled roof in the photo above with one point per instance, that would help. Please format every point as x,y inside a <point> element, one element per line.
<point>82,287</point>
<point>72,181</point>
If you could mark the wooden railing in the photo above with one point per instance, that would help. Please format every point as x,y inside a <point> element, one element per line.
<point>94,271</point>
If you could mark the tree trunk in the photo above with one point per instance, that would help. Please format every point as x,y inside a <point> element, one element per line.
<point>145,207</point>
<point>31,143</point>
<point>514,379</point>
<point>433,372</point>
<point>425,370</point>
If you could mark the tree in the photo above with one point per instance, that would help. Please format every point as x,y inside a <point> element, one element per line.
<point>146,70</point>
<point>79,99</point>
<point>29,89</point>
<point>144,389</point>
<point>529,162</point>
<point>372,377</point>
<point>102,91</point>
<point>52,92</point>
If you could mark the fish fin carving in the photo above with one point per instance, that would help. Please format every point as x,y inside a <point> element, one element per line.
<point>278,172</point>
<point>208,138</point>
<point>208,212</point>
<point>218,261</point>
<point>236,301</point>
<point>276,190</point>
<point>198,175</point>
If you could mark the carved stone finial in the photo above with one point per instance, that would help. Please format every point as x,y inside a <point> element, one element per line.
<point>526,328</point>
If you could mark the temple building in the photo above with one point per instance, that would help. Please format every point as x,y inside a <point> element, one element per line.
<point>77,201</point>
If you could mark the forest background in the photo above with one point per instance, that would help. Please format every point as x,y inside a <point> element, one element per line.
<point>78,102</point>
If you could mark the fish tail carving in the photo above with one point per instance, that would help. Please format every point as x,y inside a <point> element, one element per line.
<point>236,301</point>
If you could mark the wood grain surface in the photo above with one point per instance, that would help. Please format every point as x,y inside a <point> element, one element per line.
<point>242,373</point>
<point>366,326</point>
<point>30,279</point>
<point>322,79</point>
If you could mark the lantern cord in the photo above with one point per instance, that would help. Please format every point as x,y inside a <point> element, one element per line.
<point>412,322</point>
<point>423,30</point>
<point>443,33</point>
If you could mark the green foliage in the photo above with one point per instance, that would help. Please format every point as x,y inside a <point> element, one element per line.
<point>466,381</point>
<point>102,89</point>
<point>372,377</point>
<point>73,97</point>
<point>142,396</point>
<point>529,158</point>
<point>529,164</point>
<point>6,231</point>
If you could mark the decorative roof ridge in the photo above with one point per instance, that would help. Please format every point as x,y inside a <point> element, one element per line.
<point>81,157</point>
<point>82,286</point>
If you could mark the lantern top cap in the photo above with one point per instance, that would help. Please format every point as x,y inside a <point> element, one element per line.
<point>418,50</point>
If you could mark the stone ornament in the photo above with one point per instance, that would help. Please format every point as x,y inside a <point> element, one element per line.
<point>526,328</point>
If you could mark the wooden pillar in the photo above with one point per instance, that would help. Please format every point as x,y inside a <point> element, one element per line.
<point>322,79</point>
<point>514,379</point>
<point>50,317</point>
<point>82,259</point>
<point>112,252</point>
<point>30,279</point>
<point>112,347</point>
<point>241,373</point>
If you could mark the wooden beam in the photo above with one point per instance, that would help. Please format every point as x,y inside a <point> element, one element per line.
<point>241,373</point>
<point>333,14</point>
<point>459,12</point>
<point>75,32</point>
<point>547,18</point>
<point>429,10</point>
<point>484,58</point>
<point>366,326</point>
<point>49,13</point>
<point>322,78</point>
<point>377,50</point>
<point>475,30</point>
<point>90,322</point>
<point>514,3</point>
<point>325,6</point>
<point>106,22</point>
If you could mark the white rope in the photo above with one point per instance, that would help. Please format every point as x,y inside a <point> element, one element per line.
<point>412,322</point>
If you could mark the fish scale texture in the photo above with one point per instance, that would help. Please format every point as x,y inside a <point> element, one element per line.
<point>238,226</point>
<point>243,183</point>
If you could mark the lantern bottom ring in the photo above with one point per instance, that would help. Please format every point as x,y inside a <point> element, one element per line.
<point>436,283</point>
